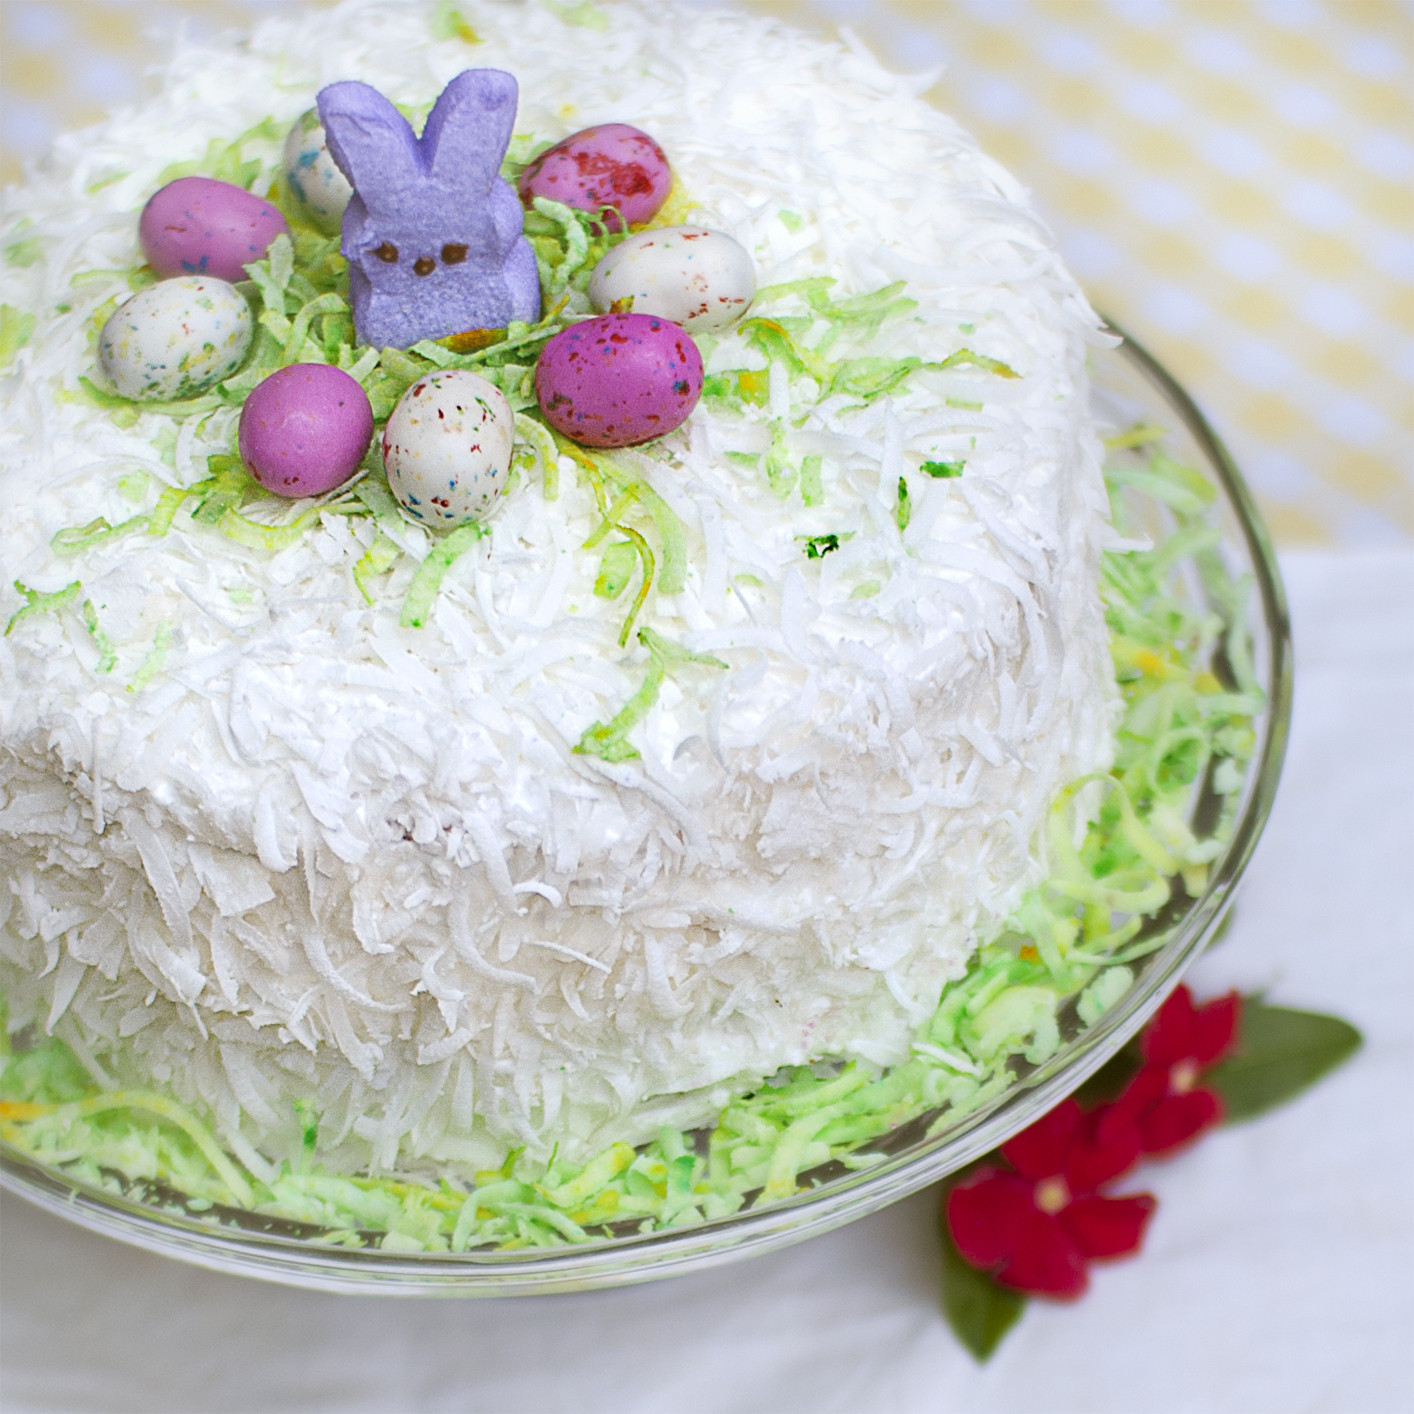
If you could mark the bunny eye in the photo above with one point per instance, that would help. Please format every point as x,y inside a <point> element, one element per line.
<point>387,251</point>
<point>424,265</point>
<point>453,254</point>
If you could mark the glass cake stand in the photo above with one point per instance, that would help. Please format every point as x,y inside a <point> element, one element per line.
<point>1130,388</point>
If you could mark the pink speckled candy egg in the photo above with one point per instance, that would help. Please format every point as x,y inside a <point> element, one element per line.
<point>619,380</point>
<point>199,226</point>
<point>608,169</point>
<point>304,430</point>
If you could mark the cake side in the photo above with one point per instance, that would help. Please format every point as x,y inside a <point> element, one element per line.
<point>314,855</point>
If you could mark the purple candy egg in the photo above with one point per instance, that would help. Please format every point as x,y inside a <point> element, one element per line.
<point>608,169</point>
<point>619,380</point>
<point>304,430</point>
<point>199,226</point>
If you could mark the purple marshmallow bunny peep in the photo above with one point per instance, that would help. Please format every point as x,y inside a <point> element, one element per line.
<point>433,234</point>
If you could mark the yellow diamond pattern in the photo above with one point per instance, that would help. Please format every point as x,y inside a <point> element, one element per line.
<point>1231,179</point>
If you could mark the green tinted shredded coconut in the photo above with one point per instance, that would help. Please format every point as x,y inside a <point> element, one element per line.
<point>74,540</point>
<point>903,511</point>
<point>430,573</point>
<point>942,470</point>
<point>39,603</point>
<point>609,740</point>
<point>107,658</point>
<point>153,663</point>
<point>16,326</point>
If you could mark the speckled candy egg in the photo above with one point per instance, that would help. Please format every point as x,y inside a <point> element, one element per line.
<point>619,380</point>
<point>314,177</point>
<point>611,166</point>
<point>304,430</point>
<point>447,447</point>
<point>698,278</point>
<point>199,226</point>
<point>176,338</point>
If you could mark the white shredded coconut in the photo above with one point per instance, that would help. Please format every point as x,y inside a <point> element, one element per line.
<point>315,856</point>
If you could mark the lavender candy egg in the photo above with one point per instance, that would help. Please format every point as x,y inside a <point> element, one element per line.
<point>176,338</point>
<point>608,169</point>
<point>447,448</point>
<point>313,176</point>
<point>304,430</point>
<point>619,380</point>
<point>199,226</point>
<point>698,278</point>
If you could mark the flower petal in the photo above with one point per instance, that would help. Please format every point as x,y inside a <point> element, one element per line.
<point>1105,1146</point>
<point>1047,1260</point>
<point>1142,1093</point>
<point>1215,1028</point>
<point>987,1214</point>
<point>1179,1119</point>
<point>1108,1227</point>
<point>1040,1151</point>
<point>1168,1037</point>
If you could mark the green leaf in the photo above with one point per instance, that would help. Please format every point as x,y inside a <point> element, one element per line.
<point>1280,1052</point>
<point>978,1308</point>
<point>942,470</point>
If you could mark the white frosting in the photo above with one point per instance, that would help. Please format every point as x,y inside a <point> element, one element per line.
<point>309,854</point>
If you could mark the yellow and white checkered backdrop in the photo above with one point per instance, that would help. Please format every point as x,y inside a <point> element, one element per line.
<point>1231,179</point>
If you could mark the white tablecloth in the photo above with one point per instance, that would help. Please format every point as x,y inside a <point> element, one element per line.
<point>1279,1272</point>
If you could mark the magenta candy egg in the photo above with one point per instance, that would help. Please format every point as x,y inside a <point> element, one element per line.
<point>199,226</point>
<point>611,166</point>
<point>304,430</point>
<point>619,380</point>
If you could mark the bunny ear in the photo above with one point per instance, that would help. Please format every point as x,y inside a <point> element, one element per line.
<point>371,141</point>
<point>469,130</point>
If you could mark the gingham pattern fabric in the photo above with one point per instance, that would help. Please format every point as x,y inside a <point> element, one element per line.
<point>1233,180</point>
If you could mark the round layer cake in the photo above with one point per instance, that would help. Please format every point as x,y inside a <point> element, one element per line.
<point>609,838</point>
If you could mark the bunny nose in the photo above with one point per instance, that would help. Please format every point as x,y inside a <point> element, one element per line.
<point>424,265</point>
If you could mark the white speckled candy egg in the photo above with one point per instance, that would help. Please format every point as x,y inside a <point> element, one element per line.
<point>447,448</point>
<point>175,338</point>
<point>698,278</point>
<point>314,177</point>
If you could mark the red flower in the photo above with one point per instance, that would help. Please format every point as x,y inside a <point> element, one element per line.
<point>1038,1226</point>
<point>1165,1102</point>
